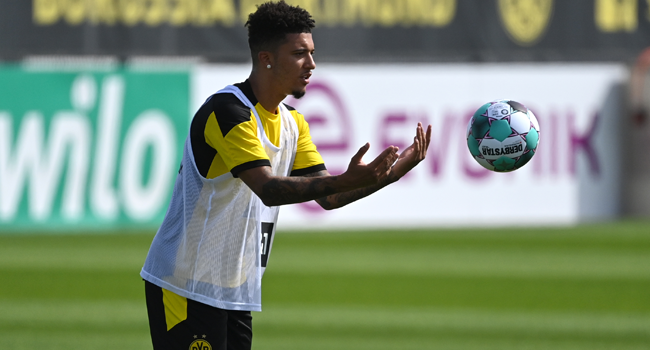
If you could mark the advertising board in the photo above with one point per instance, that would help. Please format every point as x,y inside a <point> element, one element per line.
<point>89,149</point>
<point>101,149</point>
<point>574,176</point>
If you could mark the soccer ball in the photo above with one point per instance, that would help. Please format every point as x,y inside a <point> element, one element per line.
<point>503,135</point>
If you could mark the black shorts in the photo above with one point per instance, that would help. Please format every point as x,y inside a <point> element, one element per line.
<point>177,323</point>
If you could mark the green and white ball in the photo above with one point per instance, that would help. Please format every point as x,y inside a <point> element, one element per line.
<point>503,135</point>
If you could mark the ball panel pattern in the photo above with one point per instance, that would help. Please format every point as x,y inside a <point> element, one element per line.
<point>472,144</point>
<point>500,130</point>
<point>485,163</point>
<point>504,164</point>
<point>516,106</point>
<point>532,139</point>
<point>524,159</point>
<point>520,122</point>
<point>533,120</point>
<point>480,127</point>
<point>482,111</point>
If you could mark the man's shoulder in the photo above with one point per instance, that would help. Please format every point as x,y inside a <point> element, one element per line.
<point>228,110</point>
<point>224,103</point>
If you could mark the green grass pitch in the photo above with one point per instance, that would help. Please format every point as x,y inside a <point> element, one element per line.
<point>584,287</point>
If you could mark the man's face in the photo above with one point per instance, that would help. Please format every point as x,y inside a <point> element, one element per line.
<point>294,63</point>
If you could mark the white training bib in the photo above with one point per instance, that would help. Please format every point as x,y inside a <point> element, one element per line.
<point>216,238</point>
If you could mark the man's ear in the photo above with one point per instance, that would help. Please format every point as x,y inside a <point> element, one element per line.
<point>266,58</point>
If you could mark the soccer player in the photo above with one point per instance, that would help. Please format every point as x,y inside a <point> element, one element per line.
<point>247,154</point>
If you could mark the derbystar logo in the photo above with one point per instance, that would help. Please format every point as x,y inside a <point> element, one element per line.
<point>509,149</point>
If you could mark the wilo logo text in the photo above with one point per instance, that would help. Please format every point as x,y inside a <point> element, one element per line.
<point>99,171</point>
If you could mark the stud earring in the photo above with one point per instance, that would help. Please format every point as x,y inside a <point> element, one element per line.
<point>268,66</point>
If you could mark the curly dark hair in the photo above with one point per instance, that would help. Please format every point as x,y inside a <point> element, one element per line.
<point>269,25</point>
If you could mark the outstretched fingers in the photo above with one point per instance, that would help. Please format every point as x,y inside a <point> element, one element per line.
<point>384,157</point>
<point>418,141</point>
<point>360,153</point>
<point>424,139</point>
<point>428,136</point>
<point>421,141</point>
<point>382,164</point>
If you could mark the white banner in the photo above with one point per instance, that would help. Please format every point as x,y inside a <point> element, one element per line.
<point>574,176</point>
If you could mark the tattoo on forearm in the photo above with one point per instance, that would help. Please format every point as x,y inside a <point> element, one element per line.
<point>297,189</point>
<point>305,188</point>
<point>338,200</point>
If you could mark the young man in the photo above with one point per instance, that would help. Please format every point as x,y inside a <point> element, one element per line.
<point>247,154</point>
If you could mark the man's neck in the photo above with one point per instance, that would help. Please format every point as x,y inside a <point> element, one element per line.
<point>264,91</point>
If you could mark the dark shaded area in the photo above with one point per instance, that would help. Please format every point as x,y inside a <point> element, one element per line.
<point>477,33</point>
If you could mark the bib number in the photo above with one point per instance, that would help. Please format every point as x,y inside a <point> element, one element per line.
<point>267,239</point>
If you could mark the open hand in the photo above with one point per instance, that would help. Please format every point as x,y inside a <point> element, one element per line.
<point>413,154</point>
<point>360,174</point>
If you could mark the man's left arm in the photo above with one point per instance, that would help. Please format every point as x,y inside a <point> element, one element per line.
<point>407,160</point>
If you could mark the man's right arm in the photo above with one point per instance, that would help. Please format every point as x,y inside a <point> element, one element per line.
<point>279,190</point>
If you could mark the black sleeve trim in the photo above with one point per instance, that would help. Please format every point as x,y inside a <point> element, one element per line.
<point>289,107</point>
<point>309,170</point>
<point>249,165</point>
